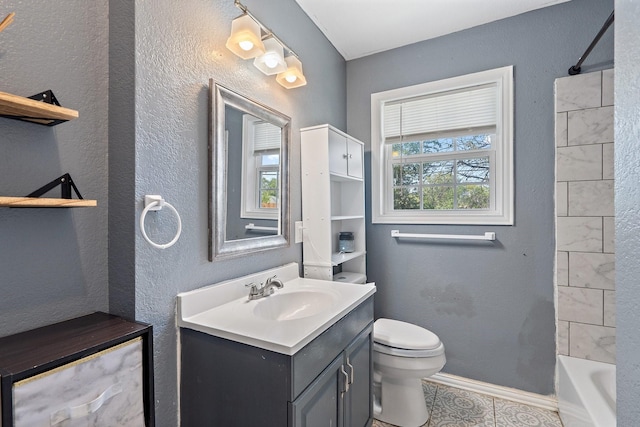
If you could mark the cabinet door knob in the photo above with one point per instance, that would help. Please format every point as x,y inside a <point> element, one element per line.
<point>345,156</point>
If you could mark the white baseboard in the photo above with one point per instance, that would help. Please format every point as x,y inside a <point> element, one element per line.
<point>501,392</point>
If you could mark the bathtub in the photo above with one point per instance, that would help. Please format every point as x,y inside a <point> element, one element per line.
<point>586,393</point>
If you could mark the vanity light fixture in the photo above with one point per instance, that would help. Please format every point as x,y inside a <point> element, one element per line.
<point>250,39</point>
<point>245,39</point>
<point>272,62</point>
<point>293,77</point>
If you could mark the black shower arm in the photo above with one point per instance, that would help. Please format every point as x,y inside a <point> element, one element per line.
<point>575,69</point>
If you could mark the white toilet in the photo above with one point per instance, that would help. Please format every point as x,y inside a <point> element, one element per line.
<point>403,354</point>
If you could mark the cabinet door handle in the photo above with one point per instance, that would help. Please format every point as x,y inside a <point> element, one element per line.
<point>81,411</point>
<point>345,156</point>
<point>346,379</point>
<point>351,369</point>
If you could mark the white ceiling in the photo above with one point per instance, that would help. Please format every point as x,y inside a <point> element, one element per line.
<point>362,27</point>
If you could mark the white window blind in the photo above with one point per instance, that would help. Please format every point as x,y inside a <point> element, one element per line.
<point>423,117</point>
<point>266,137</point>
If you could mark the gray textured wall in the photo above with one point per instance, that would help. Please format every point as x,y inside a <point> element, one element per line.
<point>178,47</point>
<point>627,159</point>
<point>492,305</point>
<point>54,261</point>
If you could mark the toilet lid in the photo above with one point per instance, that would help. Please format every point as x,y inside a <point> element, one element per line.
<point>394,333</point>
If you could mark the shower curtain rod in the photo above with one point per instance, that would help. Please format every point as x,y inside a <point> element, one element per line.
<point>575,69</point>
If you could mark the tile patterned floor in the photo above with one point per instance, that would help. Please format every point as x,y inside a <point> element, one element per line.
<point>453,407</point>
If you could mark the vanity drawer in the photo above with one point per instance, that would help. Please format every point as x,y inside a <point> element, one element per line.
<point>105,389</point>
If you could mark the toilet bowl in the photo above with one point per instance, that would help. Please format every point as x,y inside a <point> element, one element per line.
<point>403,354</point>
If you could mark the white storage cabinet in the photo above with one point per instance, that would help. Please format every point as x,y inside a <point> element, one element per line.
<point>332,201</point>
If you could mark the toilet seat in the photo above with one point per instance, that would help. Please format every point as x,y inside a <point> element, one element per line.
<point>403,339</point>
<point>402,352</point>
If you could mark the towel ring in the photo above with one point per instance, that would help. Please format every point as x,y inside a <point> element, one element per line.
<point>156,203</point>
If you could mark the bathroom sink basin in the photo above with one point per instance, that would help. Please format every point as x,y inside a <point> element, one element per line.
<point>293,305</point>
<point>283,322</point>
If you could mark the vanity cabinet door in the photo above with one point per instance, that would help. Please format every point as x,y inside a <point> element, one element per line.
<point>345,156</point>
<point>338,154</point>
<point>354,158</point>
<point>104,389</point>
<point>321,403</point>
<point>358,362</point>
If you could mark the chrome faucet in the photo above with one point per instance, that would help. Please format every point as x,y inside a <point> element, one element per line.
<point>264,290</point>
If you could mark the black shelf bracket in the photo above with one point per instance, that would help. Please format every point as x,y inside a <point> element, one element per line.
<point>66,184</point>
<point>47,97</point>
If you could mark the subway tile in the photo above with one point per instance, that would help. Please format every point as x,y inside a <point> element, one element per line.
<point>561,129</point>
<point>609,242</point>
<point>591,126</point>
<point>610,308</point>
<point>592,342</point>
<point>607,161</point>
<point>579,163</point>
<point>562,269</point>
<point>607,87</point>
<point>591,198</point>
<point>563,338</point>
<point>579,92</point>
<point>580,305</point>
<point>592,270</point>
<point>580,234</point>
<point>562,199</point>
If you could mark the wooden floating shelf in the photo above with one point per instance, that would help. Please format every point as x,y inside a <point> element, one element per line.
<point>20,108</point>
<point>42,202</point>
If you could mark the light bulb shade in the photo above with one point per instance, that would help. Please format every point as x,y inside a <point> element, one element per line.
<point>272,62</point>
<point>245,39</point>
<point>293,76</point>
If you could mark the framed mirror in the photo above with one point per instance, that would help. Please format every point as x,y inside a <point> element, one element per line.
<point>248,175</point>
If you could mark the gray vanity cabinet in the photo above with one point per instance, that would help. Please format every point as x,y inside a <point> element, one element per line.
<point>342,394</point>
<point>326,383</point>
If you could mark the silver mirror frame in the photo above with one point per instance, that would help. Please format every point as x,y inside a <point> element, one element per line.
<point>219,248</point>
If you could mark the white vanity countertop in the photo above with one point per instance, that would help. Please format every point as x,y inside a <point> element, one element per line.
<point>218,310</point>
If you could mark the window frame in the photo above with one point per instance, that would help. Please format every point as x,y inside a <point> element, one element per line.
<point>502,197</point>
<point>251,168</point>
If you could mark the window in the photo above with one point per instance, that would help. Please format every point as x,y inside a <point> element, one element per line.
<point>261,168</point>
<point>442,151</point>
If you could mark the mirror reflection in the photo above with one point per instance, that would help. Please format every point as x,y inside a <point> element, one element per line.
<point>249,207</point>
<point>253,191</point>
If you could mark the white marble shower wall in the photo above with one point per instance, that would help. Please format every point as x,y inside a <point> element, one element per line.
<point>585,216</point>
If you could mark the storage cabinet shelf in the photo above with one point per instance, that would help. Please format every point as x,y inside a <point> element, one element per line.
<point>346,217</point>
<point>344,178</point>
<point>42,202</point>
<point>27,109</point>
<point>338,258</point>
